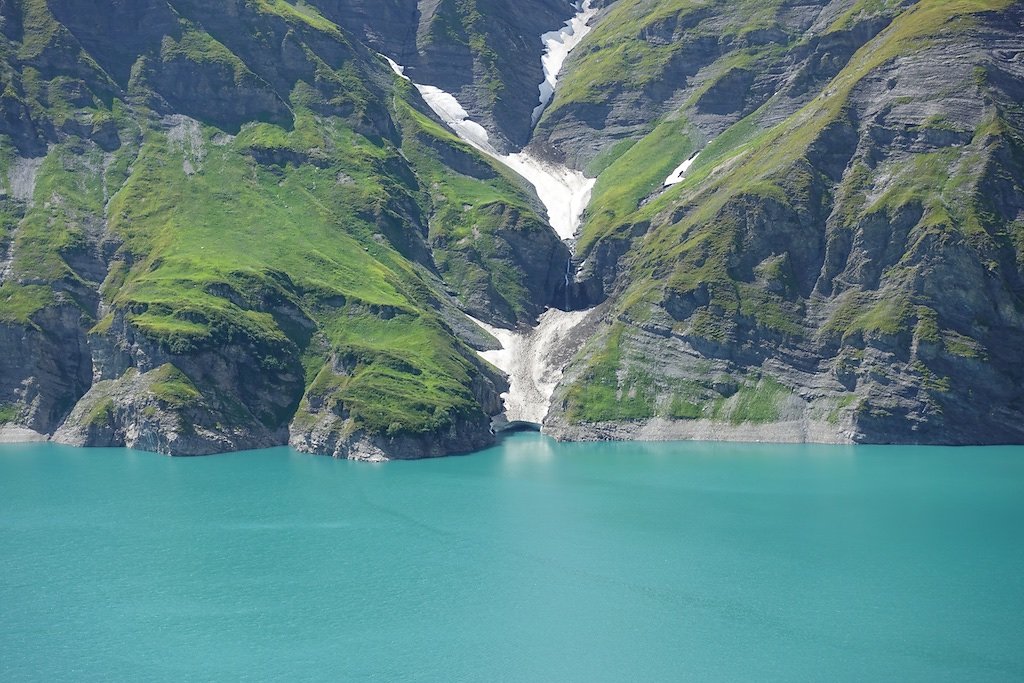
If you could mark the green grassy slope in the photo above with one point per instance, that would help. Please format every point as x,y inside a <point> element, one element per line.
<point>809,234</point>
<point>300,238</point>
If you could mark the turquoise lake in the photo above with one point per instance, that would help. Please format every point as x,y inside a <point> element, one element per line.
<point>531,561</point>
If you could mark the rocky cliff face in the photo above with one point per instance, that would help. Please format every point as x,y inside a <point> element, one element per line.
<point>485,52</point>
<point>842,259</point>
<point>232,226</point>
<point>236,227</point>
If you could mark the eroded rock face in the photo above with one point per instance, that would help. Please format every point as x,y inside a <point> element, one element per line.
<point>326,437</point>
<point>45,367</point>
<point>235,393</point>
<point>841,287</point>
<point>323,424</point>
<point>133,411</point>
<point>486,53</point>
<point>699,69</point>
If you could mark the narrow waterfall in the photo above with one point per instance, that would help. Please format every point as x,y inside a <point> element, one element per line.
<point>533,358</point>
<point>568,284</point>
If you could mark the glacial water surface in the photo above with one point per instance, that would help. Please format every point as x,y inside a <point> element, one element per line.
<point>532,561</point>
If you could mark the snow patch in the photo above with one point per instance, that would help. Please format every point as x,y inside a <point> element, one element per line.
<point>395,66</point>
<point>451,112</point>
<point>564,192</point>
<point>534,360</point>
<point>558,44</point>
<point>679,174</point>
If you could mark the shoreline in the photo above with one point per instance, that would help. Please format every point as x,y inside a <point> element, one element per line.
<point>17,434</point>
<point>660,429</point>
<point>656,430</point>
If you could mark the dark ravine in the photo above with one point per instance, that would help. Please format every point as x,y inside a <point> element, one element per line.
<point>486,52</point>
<point>231,227</point>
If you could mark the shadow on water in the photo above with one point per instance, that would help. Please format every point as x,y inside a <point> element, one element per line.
<point>517,426</point>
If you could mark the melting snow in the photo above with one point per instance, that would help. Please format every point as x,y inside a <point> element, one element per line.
<point>452,113</point>
<point>564,192</point>
<point>534,360</point>
<point>558,44</point>
<point>680,173</point>
<point>395,66</point>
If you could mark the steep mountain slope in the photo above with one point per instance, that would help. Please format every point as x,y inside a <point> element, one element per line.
<point>485,52</point>
<point>225,224</point>
<point>842,260</point>
<point>233,225</point>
